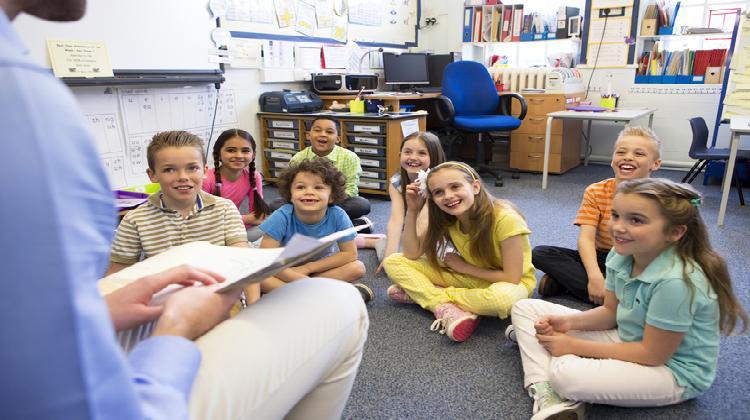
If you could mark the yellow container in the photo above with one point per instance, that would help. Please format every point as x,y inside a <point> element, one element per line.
<point>357,106</point>
<point>610,102</point>
<point>148,188</point>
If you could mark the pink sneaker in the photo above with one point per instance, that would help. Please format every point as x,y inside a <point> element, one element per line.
<point>454,322</point>
<point>398,295</point>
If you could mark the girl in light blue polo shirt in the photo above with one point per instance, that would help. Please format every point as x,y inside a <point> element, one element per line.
<point>655,341</point>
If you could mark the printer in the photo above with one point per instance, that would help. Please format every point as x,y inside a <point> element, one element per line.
<point>289,101</point>
<point>327,83</point>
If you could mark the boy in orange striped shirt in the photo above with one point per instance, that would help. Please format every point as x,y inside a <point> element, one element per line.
<point>580,272</point>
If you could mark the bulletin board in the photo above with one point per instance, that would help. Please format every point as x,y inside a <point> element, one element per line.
<point>369,23</point>
<point>171,35</point>
<point>610,44</point>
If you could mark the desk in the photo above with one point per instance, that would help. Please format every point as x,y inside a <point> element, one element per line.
<point>626,115</point>
<point>738,126</point>
<point>392,99</point>
<point>376,139</point>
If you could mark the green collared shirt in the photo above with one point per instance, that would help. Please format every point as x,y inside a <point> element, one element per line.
<point>660,297</point>
<point>343,159</point>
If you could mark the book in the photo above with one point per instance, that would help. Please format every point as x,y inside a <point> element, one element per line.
<point>239,266</point>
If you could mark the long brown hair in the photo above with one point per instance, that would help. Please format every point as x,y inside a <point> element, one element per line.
<point>260,208</point>
<point>434,149</point>
<point>482,216</point>
<point>679,204</point>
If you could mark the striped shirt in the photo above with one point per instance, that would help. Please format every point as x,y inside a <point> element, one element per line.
<point>153,228</point>
<point>343,159</point>
<point>596,209</point>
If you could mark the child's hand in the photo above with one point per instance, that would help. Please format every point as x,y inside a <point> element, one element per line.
<point>552,324</point>
<point>558,344</point>
<point>454,261</point>
<point>302,270</point>
<point>414,201</point>
<point>596,289</point>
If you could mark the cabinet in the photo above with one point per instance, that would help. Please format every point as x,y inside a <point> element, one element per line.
<point>375,139</point>
<point>527,141</point>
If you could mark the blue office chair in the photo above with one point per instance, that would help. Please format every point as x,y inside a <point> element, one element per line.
<point>470,103</point>
<point>699,150</point>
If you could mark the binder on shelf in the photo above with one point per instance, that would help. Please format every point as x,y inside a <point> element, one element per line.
<point>517,22</point>
<point>496,20</point>
<point>477,31</point>
<point>468,23</point>
<point>487,24</point>
<point>507,18</point>
<point>650,20</point>
<point>564,13</point>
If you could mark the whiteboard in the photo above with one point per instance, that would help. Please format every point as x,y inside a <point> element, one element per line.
<point>139,34</point>
<point>377,23</point>
<point>123,121</point>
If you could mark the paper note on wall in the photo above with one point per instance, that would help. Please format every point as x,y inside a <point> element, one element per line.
<point>285,12</point>
<point>305,23</point>
<point>245,53</point>
<point>73,58</point>
<point>408,127</point>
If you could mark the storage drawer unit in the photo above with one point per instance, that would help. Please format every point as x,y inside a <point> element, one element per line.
<point>366,140</point>
<point>527,141</point>
<point>363,151</point>
<point>372,184</point>
<point>373,173</point>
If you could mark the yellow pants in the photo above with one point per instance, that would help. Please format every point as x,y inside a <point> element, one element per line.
<point>419,281</point>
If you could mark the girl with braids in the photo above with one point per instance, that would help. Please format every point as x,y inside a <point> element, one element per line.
<point>489,269</point>
<point>234,177</point>
<point>655,341</point>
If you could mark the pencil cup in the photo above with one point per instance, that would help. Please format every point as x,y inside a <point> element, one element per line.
<point>610,102</point>
<point>357,106</point>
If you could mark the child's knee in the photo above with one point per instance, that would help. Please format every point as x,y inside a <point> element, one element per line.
<point>357,268</point>
<point>566,379</point>
<point>393,260</point>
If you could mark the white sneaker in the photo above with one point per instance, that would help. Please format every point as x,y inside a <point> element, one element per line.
<point>548,405</point>
<point>510,333</point>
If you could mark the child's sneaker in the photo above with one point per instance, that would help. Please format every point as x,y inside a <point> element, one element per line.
<point>549,286</point>
<point>454,322</point>
<point>398,295</point>
<point>549,405</point>
<point>364,221</point>
<point>366,292</point>
<point>510,333</point>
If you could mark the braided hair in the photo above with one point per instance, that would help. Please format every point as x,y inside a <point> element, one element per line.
<point>260,208</point>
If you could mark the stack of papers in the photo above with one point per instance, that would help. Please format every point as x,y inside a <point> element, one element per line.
<point>737,99</point>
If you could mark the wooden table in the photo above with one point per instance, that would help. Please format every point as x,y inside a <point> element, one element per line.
<point>738,126</point>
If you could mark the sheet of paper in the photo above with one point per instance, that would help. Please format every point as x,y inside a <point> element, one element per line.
<point>278,54</point>
<point>335,56</point>
<point>285,12</point>
<point>261,11</point>
<point>305,23</point>
<point>409,126</point>
<point>307,58</point>
<point>340,31</point>
<point>75,58</point>
<point>245,53</point>
<point>238,10</point>
<point>324,13</point>
<point>610,55</point>
<point>365,12</point>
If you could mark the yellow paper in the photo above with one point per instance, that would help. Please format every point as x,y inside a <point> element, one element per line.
<point>73,58</point>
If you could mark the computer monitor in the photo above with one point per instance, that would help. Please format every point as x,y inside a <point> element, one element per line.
<point>405,69</point>
<point>436,64</point>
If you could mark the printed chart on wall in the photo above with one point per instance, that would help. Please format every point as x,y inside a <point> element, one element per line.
<point>124,120</point>
<point>608,37</point>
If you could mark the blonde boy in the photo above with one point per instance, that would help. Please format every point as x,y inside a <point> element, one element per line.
<point>181,212</point>
<point>580,272</point>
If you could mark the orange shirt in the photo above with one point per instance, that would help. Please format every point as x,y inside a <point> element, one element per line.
<point>596,209</point>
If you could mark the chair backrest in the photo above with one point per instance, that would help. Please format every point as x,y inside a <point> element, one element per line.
<point>470,87</point>
<point>700,136</point>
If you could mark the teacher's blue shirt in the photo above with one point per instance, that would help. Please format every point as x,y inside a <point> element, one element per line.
<point>59,355</point>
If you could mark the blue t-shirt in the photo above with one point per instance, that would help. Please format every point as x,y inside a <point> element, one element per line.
<point>282,224</point>
<point>660,297</point>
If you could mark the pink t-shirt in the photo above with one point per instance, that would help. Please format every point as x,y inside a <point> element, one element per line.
<point>235,190</point>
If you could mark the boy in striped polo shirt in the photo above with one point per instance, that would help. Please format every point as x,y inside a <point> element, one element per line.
<point>181,212</point>
<point>580,272</point>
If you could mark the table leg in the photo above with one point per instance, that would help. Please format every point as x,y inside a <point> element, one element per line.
<point>729,171</point>
<point>547,141</point>
<point>587,152</point>
<point>651,120</point>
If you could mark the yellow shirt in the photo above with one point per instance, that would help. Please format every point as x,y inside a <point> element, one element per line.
<point>508,223</point>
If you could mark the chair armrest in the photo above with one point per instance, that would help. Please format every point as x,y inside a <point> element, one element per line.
<point>444,110</point>
<point>513,95</point>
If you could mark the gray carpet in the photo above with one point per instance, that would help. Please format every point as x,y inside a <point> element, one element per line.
<point>410,372</point>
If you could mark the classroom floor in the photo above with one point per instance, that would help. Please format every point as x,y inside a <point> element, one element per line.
<point>410,372</point>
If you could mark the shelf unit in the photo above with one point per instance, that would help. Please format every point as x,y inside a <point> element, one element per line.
<point>535,53</point>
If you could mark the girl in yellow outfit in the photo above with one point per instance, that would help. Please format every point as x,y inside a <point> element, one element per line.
<point>490,268</point>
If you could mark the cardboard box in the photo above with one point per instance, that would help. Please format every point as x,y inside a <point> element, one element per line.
<point>713,75</point>
<point>648,27</point>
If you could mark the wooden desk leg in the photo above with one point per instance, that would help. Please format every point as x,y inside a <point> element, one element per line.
<point>547,141</point>
<point>727,184</point>
<point>587,153</point>
<point>650,120</point>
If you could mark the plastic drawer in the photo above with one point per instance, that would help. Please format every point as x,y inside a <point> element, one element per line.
<point>283,144</point>
<point>290,124</point>
<point>278,164</point>
<point>367,140</point>
<point>356,127</point>
<point>373,174</point>
<point>372,162</point>
<point>372,184</point>
<point>283,134</point>
<point>279,154</point>
<point>367,151</point>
